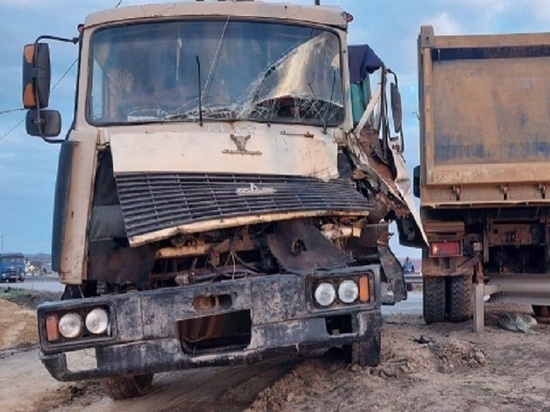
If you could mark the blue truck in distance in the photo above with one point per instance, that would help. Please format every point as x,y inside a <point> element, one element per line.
<point>12,267</point>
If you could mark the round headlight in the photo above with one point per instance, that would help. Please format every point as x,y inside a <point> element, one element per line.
<point>348,291</point>
<point>97,321</point>
<point>70,325</point>
<point>325,294</point>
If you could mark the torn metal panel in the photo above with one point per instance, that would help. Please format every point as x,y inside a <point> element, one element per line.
<point>156,206</point>
<point>379,157</point>
<point>393,272</point>
<point>121,265</point>
<point>300,247</point>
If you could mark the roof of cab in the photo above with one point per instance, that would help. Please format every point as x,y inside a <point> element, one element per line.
<point>332,16</point>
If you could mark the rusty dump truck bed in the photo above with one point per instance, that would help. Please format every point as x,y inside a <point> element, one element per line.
<point>485,119</point>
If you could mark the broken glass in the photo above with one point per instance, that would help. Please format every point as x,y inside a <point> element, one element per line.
<point>222,70</point>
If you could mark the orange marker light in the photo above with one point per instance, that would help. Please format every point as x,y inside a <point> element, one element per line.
<point>52,331</point>
<point>364,289</point>
<point>29,100</point>
<point>28,53</point>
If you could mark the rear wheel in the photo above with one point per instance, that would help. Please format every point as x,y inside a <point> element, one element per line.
<point>433,299</point>
<point>124,387</point>
<point>459,298</point>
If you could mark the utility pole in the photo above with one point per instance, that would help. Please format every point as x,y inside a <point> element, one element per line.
<point>1,243</point>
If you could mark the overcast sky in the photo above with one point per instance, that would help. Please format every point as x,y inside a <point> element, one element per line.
<point>28,166</point>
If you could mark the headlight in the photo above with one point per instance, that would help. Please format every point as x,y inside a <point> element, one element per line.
<point>348,291</point>
<point>325,294</point>
<point>70,325</point>
<point>97,321</point>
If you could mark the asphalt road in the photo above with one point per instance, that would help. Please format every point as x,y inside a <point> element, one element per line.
<point>411,306</point>
<point>38,283</point>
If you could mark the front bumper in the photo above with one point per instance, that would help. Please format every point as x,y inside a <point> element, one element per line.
<point>145,337</point>
<point>9,276</point>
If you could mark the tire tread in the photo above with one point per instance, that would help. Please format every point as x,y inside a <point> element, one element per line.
<point>434,299</point>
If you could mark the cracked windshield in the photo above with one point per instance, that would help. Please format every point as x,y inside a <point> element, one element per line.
<point>217,70</point>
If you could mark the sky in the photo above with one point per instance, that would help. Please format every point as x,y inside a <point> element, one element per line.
<point>28,166</point>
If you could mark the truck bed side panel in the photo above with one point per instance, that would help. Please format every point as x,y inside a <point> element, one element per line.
<point>485,104</point>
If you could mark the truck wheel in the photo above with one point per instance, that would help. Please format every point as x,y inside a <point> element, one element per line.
<point>124,387</point>
<point>433,296</point>
<point>542,313</point>
<point>459,298</point>
<point>365,352</point>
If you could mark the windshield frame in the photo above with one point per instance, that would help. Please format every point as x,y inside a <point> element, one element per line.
<point>320,123</point>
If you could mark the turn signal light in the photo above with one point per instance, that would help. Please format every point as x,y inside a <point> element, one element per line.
<point>52,331</point>
<point>364,289</point>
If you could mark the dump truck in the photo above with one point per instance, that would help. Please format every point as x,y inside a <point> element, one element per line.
<point>224,190</point>
<point>484,172</point>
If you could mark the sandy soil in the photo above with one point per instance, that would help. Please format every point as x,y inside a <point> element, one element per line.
<point>449,369</point>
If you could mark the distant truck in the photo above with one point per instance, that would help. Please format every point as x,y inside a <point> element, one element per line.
<point>12,267</point>
<point>224,191</point>
<point>484,176</point>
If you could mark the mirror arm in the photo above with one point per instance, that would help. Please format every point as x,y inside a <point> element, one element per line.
<point>384,127</point>
<point>402,140</point>
<point>73,40</point>
<point>52,141</point>
<point>39,121</point>
<point>394,76</point>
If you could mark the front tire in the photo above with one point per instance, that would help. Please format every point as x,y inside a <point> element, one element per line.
<point>124,387</point>
<point>433,297</point>
<point>367,352</point>
<point>542,313</point>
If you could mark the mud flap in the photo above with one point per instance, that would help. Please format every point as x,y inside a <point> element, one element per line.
<point>394,288</point>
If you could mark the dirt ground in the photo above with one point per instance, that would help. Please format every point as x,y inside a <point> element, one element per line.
<point>440,367</point>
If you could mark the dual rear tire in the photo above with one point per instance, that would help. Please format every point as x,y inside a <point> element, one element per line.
<point>447,298</point>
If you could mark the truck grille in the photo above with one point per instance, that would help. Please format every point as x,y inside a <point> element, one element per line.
<point>152,202</point>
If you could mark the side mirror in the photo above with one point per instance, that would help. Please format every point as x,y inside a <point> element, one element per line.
<point>396,108</point>
<point>43,123</point>
<point>36,76</point>
<point>416,181</point>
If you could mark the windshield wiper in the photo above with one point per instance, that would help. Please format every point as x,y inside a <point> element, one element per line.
<point>212,113</point>
<point>199,84</point>
<point>325,120</point>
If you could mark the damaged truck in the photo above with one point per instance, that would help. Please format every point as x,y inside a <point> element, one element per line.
<point>485,172</point>
<point>224,190</point>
